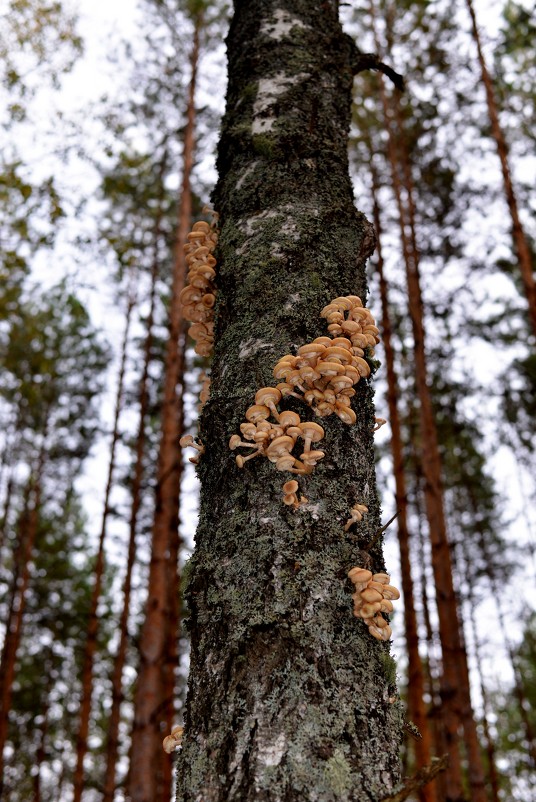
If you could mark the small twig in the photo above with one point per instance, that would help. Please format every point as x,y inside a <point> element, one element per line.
<point>379,533</point>
<point>423,776</point>
<point>370,61</point>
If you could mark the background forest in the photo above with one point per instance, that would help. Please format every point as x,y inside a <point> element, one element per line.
<point>109,128</point>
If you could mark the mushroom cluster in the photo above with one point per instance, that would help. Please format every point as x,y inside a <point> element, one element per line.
<point>373,596</point>
<point>324,372</point>
<point>356,514</point>
<point>278,438</point>
<point>198,296</point>
<point>187,441</point>
<point>171,742</point>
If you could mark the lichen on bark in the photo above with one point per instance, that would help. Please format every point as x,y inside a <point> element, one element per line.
<point>289,695</point>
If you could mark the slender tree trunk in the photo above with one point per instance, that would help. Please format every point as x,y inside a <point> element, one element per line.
<point>172,658</point>
<point>150,708</point>
<point>41,748</point>
<point>429,456</point>
<point>29,523</point>
<point>112,749</point>
<point>455,690</point>
<point>521,245</point>
<point>489,744</point>
<point>519,683</point>
<point>171,661</point>
<point>416,706</point>
<point>93,622</point>
<point>283,678</point>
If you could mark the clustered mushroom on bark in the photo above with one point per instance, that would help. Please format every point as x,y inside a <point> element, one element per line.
<point>324,372</point>
<point>173,741</point>
<point>198,296</point>
<point>373,596</point>
<point>323,375</point>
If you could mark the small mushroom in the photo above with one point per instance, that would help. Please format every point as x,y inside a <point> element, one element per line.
<point>187,441</point>
<point>390,592</point>
<point>311,458</point>
<point>241,461</point>
<point>359,575</point>
<point>288,418</point>
<point>173,741</point>
<point>257,412</point>
<point>269,397</point>
<point>311,433</point>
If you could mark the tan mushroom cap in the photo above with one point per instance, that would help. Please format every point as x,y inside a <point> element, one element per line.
<point>257,412</point>
<point>345,413</point>
<point>383,578</point>
<point>362,366</point>
<point>288,418</point>
<point>371,595</point>
<point>369,609</point>
<point>311,350</point>
<point>329,368</point>
<point>267,396</point>
<point>336,354</point>
<point>311,431</point>
<point>312,457</point>
<point>390,592</point>
<point>341,342</point>
<point>359,575</point>
<point>290,487</point>
<point>386,606</point>
<point>279,447</point>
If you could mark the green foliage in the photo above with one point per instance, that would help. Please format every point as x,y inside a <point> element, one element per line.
<point>511,723</point>
<point>38,42</point>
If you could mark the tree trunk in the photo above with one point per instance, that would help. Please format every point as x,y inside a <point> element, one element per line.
<point>28,527</point>
<point>93,622</point>
<point>416,706</point>
<point>171,660</point>
<point>150,708</point>
<point>521,245</point>
<point>112,748</point>
<point>455,690</point>
<point>290,698</point>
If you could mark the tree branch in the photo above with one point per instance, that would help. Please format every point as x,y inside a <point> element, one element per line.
<point>369,61</point>
<point>423,776</point>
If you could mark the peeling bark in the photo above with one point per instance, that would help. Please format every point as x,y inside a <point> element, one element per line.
<point>289,696</point>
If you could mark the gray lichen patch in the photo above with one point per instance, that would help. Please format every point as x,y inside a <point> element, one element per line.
<point>269,90</point>
<point>280,25</point>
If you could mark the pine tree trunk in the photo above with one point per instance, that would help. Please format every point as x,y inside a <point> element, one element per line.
<point>289,696</point>
<point>171,660</point>
<point>28,527</point>
<point>416,706</point>
<point>93,622</point>
<point>521,245</point>
<point>489,743</point>
<point>150,708</point>
<point>455,690</point>
<point>112,749</point>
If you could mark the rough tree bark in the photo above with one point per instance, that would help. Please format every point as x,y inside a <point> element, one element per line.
<point>290,698</point>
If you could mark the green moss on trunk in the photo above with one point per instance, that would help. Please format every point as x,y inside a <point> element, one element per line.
<point>289,694</point>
